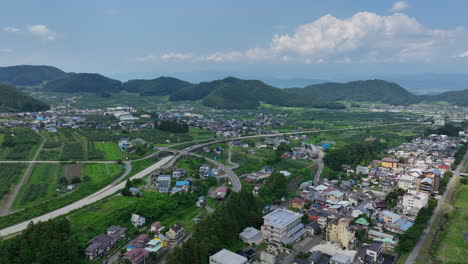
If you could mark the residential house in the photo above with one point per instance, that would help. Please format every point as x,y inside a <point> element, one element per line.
<point>251,236</point>
<point>227,257</point>
<point>414,201</point>
<point>389,162</point>
<point>156,228</point>
<point>137,255</point>
<point>137,220</point>
<point>340,259</point>
<point>176,233</point>
<point>298,203</point>
<point>372,253</point>
<point>221,192</point>
<point>164,183</point>
<point>116,233</point>
<point>98,247</point>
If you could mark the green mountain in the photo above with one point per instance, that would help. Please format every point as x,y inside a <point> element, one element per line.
<point>161,86</point>
<point>459,98</point>
<point>13,100</point>
<point>360,91</point>
<point>244,94</point>
<point>84,82</point>
<point>27,75</point>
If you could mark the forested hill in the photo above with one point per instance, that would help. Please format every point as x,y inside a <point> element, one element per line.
<point>13,100</point>
<point>84,82</point>
<point>28,75</point>
<point>360,91</point>
<point>245,94</point>
<point>459,98</point>
<point>158,87</point>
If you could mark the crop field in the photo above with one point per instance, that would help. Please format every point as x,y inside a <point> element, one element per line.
<point>250,162</point>
<point>99,174</point>
<point>452,245</point>
<point>9,175</point>
<point>40,186</point>
<point>219,157</point>
<point>19,144</point>
<point>104,151</point>
<point>71,171</point>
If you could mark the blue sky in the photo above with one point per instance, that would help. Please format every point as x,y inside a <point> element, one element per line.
<point>300,38</point>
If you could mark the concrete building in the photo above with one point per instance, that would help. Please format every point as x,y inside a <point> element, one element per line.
<point>407,182</point>
<point>251,236</point>
<point>414,201</point>
<point>339,232</point>
<point>282,226</point>
<point>227,257</point>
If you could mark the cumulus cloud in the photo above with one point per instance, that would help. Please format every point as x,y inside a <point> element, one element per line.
<point>399,6</point>
<point>365,37</point>
<point>42,31</point>
<point>11,29</point>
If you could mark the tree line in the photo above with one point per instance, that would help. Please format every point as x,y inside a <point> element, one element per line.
<point>219,230</point>
<point>173,126</point>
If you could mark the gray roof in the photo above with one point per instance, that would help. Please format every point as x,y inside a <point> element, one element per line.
<point>280,218</point>
<point>228,257</point>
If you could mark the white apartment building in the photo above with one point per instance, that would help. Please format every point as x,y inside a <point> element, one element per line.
<point>414,201</point>
<point>407,182</point>
<point>282,226</point>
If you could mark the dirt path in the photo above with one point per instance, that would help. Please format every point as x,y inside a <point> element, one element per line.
<point>11,197</point>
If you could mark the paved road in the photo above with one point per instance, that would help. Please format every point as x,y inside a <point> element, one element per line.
<point>319,162</point>
<point>416,250</point>
<point>302,247</point>
<point>56,161</point>
<point>11,197</point>
<point>101,194</point>
<point>169,161</point>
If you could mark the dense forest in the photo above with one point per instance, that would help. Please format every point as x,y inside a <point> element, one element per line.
<point>229,92</point>
<point>360,91</point>
<point>84,82</point>
<point>219,230</point>
<point>48,242</point>
<point>161,86</point>
<point>27,75</point>
<point>13,100</point>
<point>173,126</point>
<point>354,154</point>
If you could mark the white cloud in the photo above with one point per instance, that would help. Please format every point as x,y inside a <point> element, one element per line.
<point>42,31</point>
<point>399,6</point>
<point>364,37</point>
<point>167,57</point>
<point>463,55</point>
<point>11,29</point>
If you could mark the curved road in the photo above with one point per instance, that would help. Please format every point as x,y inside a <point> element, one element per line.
<point>111,189</point>
<point>163,163</point>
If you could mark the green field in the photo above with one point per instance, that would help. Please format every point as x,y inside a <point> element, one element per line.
<point>40,186</point>
<point>9,175</point>
<point>94,219</point>
<point>104,151</point>
<point>95,177</point>
<point>452,247</point>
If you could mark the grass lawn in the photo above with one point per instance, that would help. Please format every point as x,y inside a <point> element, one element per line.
<point>110,150</point>
<point>41,185</point>
<point>140,165</point>
<point>100,174</point>
<point>452,246</point>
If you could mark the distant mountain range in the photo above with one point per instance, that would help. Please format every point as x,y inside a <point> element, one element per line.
<point>229,92</point>
<point>13,100</point>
